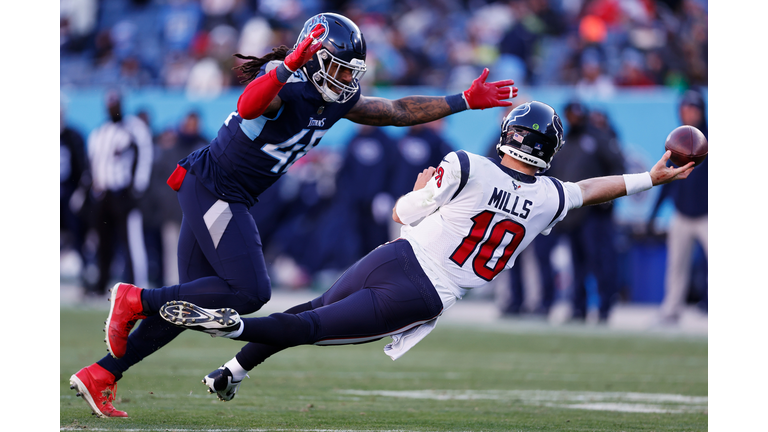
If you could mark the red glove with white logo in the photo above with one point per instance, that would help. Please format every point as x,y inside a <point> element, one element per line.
<point>305,50</point>
<point>482,95</point>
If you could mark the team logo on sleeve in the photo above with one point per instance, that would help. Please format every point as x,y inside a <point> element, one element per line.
<point>439,176</point>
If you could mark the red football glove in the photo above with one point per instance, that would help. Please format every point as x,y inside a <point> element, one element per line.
<point>482,95</point>
<point>305,50</point>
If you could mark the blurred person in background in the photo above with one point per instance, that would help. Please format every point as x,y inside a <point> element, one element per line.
<point>590,231</point>
<point>633,72</point>
<point>74,183</point>
<point>689,222</point>
<point>160,206</point>
<point>594,81</point>
<point>120,157</point>
<point>293,97</point>
<point>363,183</point>
<point>534,20</point>
<point>454,222</point>
<point>421,147</point>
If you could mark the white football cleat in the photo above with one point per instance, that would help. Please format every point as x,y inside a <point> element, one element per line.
<point>216,322</point>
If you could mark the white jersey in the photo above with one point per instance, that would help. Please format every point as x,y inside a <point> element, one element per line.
<point>475,216</point>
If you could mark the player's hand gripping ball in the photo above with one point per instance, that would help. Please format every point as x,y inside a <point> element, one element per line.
<point>686,144</point>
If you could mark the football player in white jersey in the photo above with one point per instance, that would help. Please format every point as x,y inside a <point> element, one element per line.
<point>463,224</point>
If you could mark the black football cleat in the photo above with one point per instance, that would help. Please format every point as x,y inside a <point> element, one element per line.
<point>222,383</point>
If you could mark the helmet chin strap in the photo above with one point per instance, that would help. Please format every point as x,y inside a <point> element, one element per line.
<point>327,94</point>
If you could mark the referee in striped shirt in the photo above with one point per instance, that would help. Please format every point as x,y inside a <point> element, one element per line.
<point>120,153</point>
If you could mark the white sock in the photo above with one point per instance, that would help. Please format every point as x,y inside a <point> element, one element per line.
<point>238,373</point>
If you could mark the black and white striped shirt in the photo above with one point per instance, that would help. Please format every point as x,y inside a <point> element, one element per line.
<point>121,155</point>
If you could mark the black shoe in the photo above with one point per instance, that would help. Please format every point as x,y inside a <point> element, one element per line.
<point>221,382</point>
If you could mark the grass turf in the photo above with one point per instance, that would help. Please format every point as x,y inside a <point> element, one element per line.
<point>457,379</point>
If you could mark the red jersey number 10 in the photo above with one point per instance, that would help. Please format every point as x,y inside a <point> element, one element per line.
<point>477,234</point>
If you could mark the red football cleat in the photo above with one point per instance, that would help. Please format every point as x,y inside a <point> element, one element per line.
<point>97,386</point>
<point>124,311</point>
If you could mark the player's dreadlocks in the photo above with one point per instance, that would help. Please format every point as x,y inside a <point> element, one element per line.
<point>250,69</point>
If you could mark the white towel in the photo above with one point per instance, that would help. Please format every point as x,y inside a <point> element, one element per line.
<point>404,341</point>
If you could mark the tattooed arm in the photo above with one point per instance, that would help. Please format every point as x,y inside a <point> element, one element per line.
<point>413,110</point>
<point>408,111</point>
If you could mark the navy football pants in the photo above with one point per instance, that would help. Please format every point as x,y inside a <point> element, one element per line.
<point>221,263</point>
<point>384,293</point>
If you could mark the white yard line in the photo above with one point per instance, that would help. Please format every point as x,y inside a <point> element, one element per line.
<point>602,401</point>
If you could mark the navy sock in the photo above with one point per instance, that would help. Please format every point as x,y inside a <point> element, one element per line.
<point>208,292</point>
<point>151,334</point>
<point>254,354</point>
<point>279,329</point>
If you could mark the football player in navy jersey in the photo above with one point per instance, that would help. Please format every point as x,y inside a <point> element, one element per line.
<point>294,96</point>
<point>465,222</point>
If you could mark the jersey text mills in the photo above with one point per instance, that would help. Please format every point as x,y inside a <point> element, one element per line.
<point>501,198</point>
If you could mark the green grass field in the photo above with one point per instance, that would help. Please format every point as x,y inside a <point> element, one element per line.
<point>473,378</point>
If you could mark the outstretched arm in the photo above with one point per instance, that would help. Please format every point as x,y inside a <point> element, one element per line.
<point>598,190</point>
<point>408,111</point>
<point>412,110</point>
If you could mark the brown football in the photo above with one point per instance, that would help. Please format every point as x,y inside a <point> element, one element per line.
<point>686,144</point>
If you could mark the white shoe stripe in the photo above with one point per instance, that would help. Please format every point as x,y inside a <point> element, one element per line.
<point>347,341</point>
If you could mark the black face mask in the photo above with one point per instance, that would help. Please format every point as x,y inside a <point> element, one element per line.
<point>115,113</point>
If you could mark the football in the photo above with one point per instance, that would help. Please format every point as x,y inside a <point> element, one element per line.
<point>686,144</point>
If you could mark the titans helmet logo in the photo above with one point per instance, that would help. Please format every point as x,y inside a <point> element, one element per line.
<point>311,24</point>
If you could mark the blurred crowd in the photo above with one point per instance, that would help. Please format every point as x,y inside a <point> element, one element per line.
<point>596,45</point>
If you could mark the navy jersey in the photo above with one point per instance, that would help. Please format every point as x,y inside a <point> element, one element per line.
<point>248,156</point>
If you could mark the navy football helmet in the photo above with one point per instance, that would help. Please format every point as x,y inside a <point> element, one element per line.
<point>343,48</point>
<point>532,133</point>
